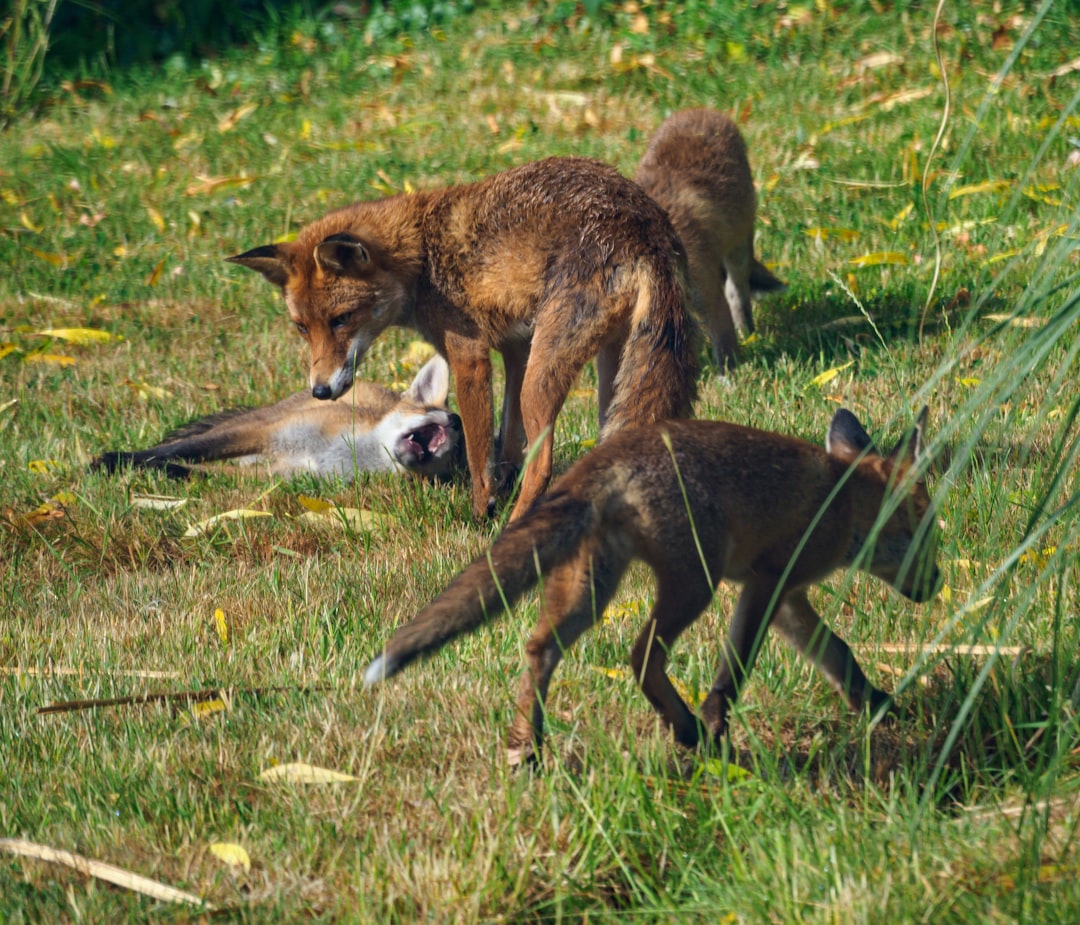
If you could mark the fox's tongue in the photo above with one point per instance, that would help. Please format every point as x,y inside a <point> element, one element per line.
<point>427,440</point>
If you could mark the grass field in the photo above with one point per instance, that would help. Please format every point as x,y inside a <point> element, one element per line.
<point>924,212</point>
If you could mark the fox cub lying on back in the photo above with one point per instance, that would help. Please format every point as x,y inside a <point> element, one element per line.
<point>698,501</point>
<point>696,168</point>
<point>371,429</point>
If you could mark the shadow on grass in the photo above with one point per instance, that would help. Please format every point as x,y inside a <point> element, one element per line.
<point>970,731</point>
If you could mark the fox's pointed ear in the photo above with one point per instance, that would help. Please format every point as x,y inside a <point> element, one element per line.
<point>846,438</point>
<point>271,260</point>
<point>910,445</point>
<point>343,254</point>
<point>432,383</point>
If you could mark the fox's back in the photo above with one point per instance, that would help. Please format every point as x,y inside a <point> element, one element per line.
<point>741,493</point>
<point>518,235</point>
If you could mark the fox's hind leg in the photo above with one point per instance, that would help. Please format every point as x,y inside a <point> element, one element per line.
<point>510,444</point>
<point>801,626</point>
<point>679,602</point>
<point>559,351</point>
<point>574,597</point>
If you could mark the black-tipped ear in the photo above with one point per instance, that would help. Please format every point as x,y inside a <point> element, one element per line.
<point>846,437</point>
<point>910,444</point>
<point>271,260</point>
<point>343,254</point>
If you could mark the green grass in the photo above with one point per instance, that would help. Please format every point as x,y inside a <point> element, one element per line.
<point>965,809</point>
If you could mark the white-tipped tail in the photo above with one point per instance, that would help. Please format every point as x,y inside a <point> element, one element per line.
<point>376,671</point>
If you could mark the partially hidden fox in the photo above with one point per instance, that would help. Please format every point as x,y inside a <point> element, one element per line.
<point>370,429</point>
<point>551,263</point>
<point>697,169</point>
<point>698,501</point>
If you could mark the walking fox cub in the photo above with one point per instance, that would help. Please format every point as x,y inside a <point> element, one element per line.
<point>698,501</point>
<point>551,264</point>
<point>371,429</point>
<point>696,168</point>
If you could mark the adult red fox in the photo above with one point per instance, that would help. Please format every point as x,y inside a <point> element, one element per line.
<point>551,263</point>
<point>698,501</point>
<point>370,429</point>
<point>696,168</point>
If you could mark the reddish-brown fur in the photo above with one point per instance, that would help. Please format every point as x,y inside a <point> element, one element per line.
<point>552,263</point>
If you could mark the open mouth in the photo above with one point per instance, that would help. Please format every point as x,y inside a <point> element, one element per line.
<point>424,443</point>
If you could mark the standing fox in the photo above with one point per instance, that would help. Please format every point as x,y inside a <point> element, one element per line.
<point>551,264</point>
<point>696,168</point>
<point>698,501</point>
<point>371,429</point>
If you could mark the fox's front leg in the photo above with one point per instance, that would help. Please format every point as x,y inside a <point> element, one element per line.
<point>801,626</point>
<point>748,625</point>
<point>470,364</point>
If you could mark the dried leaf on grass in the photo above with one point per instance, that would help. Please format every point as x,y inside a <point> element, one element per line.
<point>197,529</point>
<point>232,854</point>
<point>81,336</point>
<point>102,871</point>
<point>299,773</point>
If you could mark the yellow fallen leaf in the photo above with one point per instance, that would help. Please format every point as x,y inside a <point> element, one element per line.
<point>7,348</point>
<point>155,274</point>
<point>42,466</point>
<point>80,336</point>
<point>57,260</point>
<point>145,390</point>
<point>880,258</point>
<point>156,218</point>
<point>968,381</point>
<point>300,773</point>
<point>232,854</point>
<point>822,234</point>
<point>56,359</point>
<point>42,513</point>
<point>222,626</point>
<point>205,708</point>
<point>316,505</point>
<point>987,186</point>
<point>616,674</point>
<point>28,223</point>
<point>361,521</point>
<point>823,378</point>
<point>197,529</point>
<point>732,773</point>
<point>840,123</point>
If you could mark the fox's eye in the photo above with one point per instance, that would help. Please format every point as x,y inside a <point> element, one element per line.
<point>340,321</point>
<point>302,328</point>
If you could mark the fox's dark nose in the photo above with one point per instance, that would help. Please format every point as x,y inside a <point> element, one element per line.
<point>322,392</point>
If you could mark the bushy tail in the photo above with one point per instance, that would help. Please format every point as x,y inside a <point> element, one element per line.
<point>657,377</point>
<point>547,535</point>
